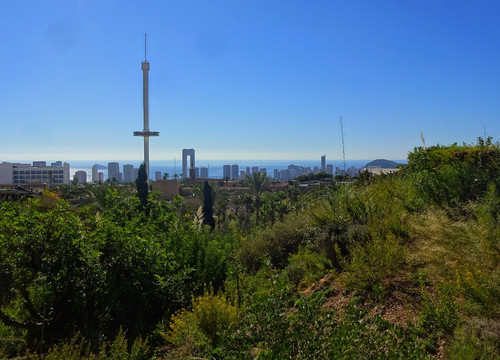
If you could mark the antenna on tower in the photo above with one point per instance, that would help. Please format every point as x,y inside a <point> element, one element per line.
<point>145,38</point>
<point>343,148</point>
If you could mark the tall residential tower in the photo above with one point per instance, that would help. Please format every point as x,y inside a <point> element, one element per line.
<point>146,133</point>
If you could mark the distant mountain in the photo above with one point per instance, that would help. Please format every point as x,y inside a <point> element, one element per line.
<point>383,163</point>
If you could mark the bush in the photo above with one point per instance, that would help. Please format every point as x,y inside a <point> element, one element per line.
<point>275,244</point>
<point>306,267</point>
<point>201,328</point>
<point>373,262</point>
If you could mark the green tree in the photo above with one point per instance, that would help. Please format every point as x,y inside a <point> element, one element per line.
<point>208,218</point>
<point>257,182</point>
<point>142,186</point>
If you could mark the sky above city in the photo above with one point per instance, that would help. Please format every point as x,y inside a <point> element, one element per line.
<point>249,79</point>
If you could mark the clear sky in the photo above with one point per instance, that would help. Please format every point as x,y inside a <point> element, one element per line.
<point>249,79</point>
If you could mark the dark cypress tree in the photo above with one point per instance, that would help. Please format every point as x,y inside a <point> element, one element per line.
<point>142,186</point>
<point>208,218</point>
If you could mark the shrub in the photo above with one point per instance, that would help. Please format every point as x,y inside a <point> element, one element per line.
<point>373,262</point>
<point>201,328</point>
<point>275,244</point>
<point>306,267</point>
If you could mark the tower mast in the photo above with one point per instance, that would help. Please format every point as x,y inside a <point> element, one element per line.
<point>146,133</point>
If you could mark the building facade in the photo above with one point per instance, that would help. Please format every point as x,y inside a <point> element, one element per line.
<point>81,177</point>
<point>128,173</point>
<point>17,173</point>
<point>234,172</point>
<point>114,171</point>
<point>226,172</point>
<point>95,174</point>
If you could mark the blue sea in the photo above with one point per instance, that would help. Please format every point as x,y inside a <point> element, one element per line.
<point>214,166</point>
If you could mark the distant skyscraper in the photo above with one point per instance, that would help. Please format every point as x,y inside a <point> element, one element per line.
<point>101,176</point>
<point>57,163</point>
<point>81,177</point>
<point>185,165</point>
<point>39,163</point>
<point>128,173</point>
<point>323,163</point>
<point>146,133</point>
<point>263,170</point>
<point>329,169</point>
<point>204,172</point>
<point>95,174</point>
<point>234,172</point>
<point>226,172</point>
<point>248,170</point>
<point>158,175</point>
<point>255,169</point>
<point>114,171</point>
<point>276,172</point>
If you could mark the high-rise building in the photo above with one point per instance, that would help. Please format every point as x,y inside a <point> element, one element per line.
<point>247,170</point>
<point>234,172</point>
<point>204,172</point>
<point>263,171</point>
<point>128,173</point>
<point>243,174</point>
<point>81,177</point>
<point>226,172</point>
<point>57,163</point>
<point>329,169</point>
<point>95,174</point>
<point>255,169</point>
<point>276,172</point>
<point>323,163</point>
<point>158,175</point>
<point>185,165</point>
<point>101,177</point>
<point>114,171</point>
<point>39,163</point>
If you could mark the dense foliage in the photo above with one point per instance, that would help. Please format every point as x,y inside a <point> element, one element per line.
<point>399,266</point>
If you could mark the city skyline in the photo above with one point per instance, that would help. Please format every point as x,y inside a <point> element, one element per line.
<point>246,80</point>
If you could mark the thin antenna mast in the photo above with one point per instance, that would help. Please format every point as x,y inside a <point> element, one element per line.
<point>145,38</point>
<point>343,148</point>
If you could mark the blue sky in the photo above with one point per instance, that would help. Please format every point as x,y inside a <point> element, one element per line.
<point>246,79</point>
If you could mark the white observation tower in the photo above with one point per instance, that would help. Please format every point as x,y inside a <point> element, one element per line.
<point>146,133</point>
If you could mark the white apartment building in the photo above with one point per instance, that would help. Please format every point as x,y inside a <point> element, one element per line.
<point>17,173</point>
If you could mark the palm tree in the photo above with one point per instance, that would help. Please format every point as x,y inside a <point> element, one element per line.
<point>257,182</point>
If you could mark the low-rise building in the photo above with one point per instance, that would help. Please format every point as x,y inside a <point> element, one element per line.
<point>17,173</point>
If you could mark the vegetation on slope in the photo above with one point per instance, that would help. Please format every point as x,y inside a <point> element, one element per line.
<point>398,266</point>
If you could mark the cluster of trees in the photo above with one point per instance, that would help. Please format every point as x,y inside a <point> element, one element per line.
<point>255,275</point>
